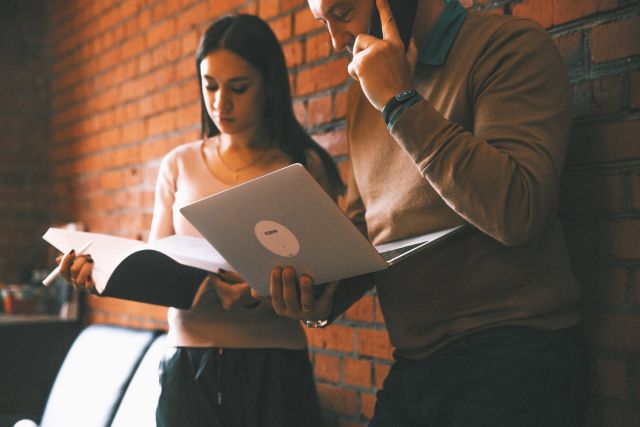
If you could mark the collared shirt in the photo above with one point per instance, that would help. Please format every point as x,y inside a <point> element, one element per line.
<point>436,47</point>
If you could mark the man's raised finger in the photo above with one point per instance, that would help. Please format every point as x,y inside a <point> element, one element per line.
<point>388,22</point>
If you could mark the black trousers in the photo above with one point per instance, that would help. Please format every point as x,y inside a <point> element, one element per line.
<point>237,388</point>
<point>505,377</point>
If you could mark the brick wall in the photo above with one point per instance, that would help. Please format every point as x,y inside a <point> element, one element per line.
<point>23,138</point>
<point>123,94</point>
<point>600,195</point>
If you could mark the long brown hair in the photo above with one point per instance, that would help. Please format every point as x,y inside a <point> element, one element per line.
<point>253,40</point>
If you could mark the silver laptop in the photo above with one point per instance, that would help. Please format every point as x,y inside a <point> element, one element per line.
<point>285,218</point>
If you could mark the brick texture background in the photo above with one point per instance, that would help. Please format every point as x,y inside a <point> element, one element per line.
<point>90,106</point>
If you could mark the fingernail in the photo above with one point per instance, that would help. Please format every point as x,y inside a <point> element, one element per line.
<point>222,270</point>
<point>72,251</point>
<point>90,260</point>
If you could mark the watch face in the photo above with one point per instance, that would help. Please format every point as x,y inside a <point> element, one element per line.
<point>403,95</point>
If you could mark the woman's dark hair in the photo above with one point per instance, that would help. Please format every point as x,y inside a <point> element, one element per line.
<point>253,40</point>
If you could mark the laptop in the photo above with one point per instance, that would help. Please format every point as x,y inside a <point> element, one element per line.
<point>285,218</point>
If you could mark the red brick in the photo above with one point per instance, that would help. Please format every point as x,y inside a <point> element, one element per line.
<point>160,32</point>
<point>569,10</point>
<point>282,27</point>
<point>161,123</point>
<point>340,105</point>
<point>597,96</point>
<point>318,47</point>
<point>363,310</point>
<point>367,404</point>
<point>326,367</point>
<point>335,337</point>
<point>540,11</point>
<point>615,141</point>
<point>615,40</point>
<point>584,194</point>
<point>375,343</point>
<point>335,142</point>
<point>304,22</point>
<point>287,5</point>
<point>319,111</point>
<point>267,8</point>
<point>250,9</point>
<point>620,239</point>
<point>570,46</point>
<point>357,372</point>
<point>381,372</point>
<point>293,53</point>
<point>322,76</point>
<point>603,285</point>
<point>300,112</point>
<point>618,332</point>
<point>218,8</point>
<point>337,399</point>
<point>195,16</point>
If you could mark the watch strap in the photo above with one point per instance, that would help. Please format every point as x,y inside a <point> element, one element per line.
<point>395,102</point>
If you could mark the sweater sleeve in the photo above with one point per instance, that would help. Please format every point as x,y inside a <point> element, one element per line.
<point>162,222</point>
<point>503,176</point>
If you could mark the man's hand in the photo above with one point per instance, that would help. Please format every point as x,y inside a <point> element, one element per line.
<point>381,65</point>
<point>293,298</point>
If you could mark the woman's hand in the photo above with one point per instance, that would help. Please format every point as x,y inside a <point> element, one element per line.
<point>233,291</point>
<point>76,270</point>
<point>294,298</point>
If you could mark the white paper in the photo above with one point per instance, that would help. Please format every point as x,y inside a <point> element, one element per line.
<point>109,251</point>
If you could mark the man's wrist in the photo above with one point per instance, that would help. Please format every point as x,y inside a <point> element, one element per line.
<point>396,102</point>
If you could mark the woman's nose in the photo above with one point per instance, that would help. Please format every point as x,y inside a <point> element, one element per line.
<point>222,101</point>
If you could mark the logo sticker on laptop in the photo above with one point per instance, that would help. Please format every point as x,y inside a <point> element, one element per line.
<point>277,238</point>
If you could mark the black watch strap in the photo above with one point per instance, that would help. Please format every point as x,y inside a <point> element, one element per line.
<point>395,102</point>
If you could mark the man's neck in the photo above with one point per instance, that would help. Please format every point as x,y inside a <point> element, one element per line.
<point>427,14</point>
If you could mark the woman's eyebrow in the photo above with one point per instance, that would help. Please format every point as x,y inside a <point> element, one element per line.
<point>233,79</point>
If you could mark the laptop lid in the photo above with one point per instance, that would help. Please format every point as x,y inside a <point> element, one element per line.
<point>283,218</point>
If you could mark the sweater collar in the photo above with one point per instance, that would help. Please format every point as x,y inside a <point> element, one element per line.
<point>436,47</point>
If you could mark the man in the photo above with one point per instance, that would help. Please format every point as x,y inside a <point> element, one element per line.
<point>474,129</point>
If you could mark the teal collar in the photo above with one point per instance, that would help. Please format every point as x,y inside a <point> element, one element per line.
<point>436,47</point>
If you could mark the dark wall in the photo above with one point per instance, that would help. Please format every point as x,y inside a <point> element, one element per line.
<point>24,137</point>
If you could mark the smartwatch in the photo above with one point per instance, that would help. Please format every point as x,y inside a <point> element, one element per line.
<point>316,323</point>
<point>395,102</point>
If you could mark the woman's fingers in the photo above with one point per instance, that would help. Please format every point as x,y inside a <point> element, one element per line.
<point>84,274</point>
<point>65,265</point>
<point>76,267</point>
<point>230,276</point>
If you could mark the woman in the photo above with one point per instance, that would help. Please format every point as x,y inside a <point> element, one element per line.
<point>232,360</point>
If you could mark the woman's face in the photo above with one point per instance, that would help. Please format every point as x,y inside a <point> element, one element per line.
<point>233,92</point>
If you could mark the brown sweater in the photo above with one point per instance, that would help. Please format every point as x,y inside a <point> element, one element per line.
<point>485,147</point>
